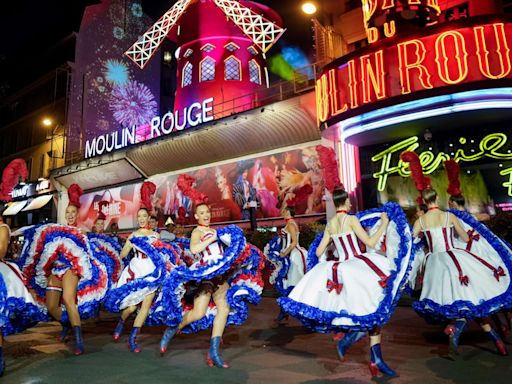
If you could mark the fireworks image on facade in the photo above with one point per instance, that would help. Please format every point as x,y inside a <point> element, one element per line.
<point>133,104</point>
<point>116,72</point>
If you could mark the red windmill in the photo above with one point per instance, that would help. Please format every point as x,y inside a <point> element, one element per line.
<point>221,48</point>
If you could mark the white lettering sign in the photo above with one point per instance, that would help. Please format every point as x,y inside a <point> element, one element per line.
<point>191,116</point>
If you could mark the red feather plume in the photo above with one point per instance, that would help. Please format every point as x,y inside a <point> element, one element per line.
<point>300,195</point>
<point>453,171</point>
<point>147,190</point>
<point>185,183</point>
<point>420,180</point>
<point>11,175</point>
<point>329,165</point>
<point>74,193</point>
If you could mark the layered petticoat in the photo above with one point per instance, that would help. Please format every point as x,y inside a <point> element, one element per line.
<point>144,275</point>
<point>107,251</point>
<point>18,309</point>
<point>54,249</point>
<point>241,264</point>
<point>469,280</point>
<point>353,289</point>
<point>287,271</point>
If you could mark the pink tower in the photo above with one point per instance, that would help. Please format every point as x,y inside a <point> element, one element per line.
<point>221,48</point>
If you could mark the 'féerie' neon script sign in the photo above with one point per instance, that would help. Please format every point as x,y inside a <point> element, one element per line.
<point>489,146</point>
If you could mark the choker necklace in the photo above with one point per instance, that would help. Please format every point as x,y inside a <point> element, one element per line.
<point>341,211</point>
<point>432,208</point>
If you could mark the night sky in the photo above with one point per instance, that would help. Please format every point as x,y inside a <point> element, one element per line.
<point>37,35</point>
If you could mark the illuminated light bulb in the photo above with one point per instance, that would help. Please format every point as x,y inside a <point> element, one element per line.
<point>47,122</point>
<point>308,8</point>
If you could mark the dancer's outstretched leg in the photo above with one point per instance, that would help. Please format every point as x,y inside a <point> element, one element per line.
<point>201,302</point>
<point>139,322</point>
<point>219,324</point>
<point>377,362</point>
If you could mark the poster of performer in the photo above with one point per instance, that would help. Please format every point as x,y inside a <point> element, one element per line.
<point>262,184</point>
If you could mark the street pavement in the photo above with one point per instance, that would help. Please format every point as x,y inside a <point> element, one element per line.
<point>259,351</point>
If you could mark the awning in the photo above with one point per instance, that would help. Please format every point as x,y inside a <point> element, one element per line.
<point>286,123</point>
<point>14,207</point>
<point>38,202</point>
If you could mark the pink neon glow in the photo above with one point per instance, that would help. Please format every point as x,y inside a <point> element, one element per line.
<point>350,170</point>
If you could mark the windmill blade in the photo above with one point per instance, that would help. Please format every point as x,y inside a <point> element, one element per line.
<point>261,31</point>
<point>142,51</point>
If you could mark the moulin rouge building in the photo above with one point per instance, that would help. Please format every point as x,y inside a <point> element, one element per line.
<point>434,80</point>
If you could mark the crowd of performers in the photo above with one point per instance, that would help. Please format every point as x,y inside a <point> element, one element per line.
<point>348,282</point>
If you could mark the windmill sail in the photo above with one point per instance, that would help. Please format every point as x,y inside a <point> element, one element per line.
<point>142,51</point>
<point>261,31</point>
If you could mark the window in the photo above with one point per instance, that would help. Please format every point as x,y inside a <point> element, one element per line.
<point>231,47</point>
<point>42,164</point>
<point>252,50</point>
<point>207,69</point>
<point>207,48</point>
<point>254,72</point>
<point>232,69</point>
<point>186,78</point>
<point>187,53</point>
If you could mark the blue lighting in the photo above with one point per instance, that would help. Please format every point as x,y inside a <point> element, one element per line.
<point>424,108</point>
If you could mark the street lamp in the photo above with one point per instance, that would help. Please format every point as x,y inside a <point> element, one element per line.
<point>48,122</point>
<point>309,8</point>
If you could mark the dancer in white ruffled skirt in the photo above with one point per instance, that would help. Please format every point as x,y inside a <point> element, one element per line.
<point>459,284</point>
<point>358,291</point>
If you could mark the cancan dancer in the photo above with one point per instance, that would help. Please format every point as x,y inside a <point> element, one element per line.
<point>355,291</point>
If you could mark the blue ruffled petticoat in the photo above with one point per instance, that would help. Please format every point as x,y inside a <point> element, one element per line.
<point>242,263</point>
<point>55,249</point>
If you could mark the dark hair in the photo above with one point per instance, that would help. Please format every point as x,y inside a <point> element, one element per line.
<point>459,200</point>
<point>339,197</point>
<point>153,217</point>
<point>429,195</point>
<point>423,207</point>
<point>291,210</point>
<point>199,205</point>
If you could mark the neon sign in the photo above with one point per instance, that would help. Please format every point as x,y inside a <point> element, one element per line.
<point>507,184</point>
<point>447,58</point>
<point>389,10</point>
<point>489,147</point>
<point>171,122</point>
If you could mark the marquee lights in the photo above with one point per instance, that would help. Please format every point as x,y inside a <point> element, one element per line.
<point>490,146</point>
<point>452,57</point>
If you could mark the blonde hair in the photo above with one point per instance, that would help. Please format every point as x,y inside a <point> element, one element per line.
<point>429,195</point>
